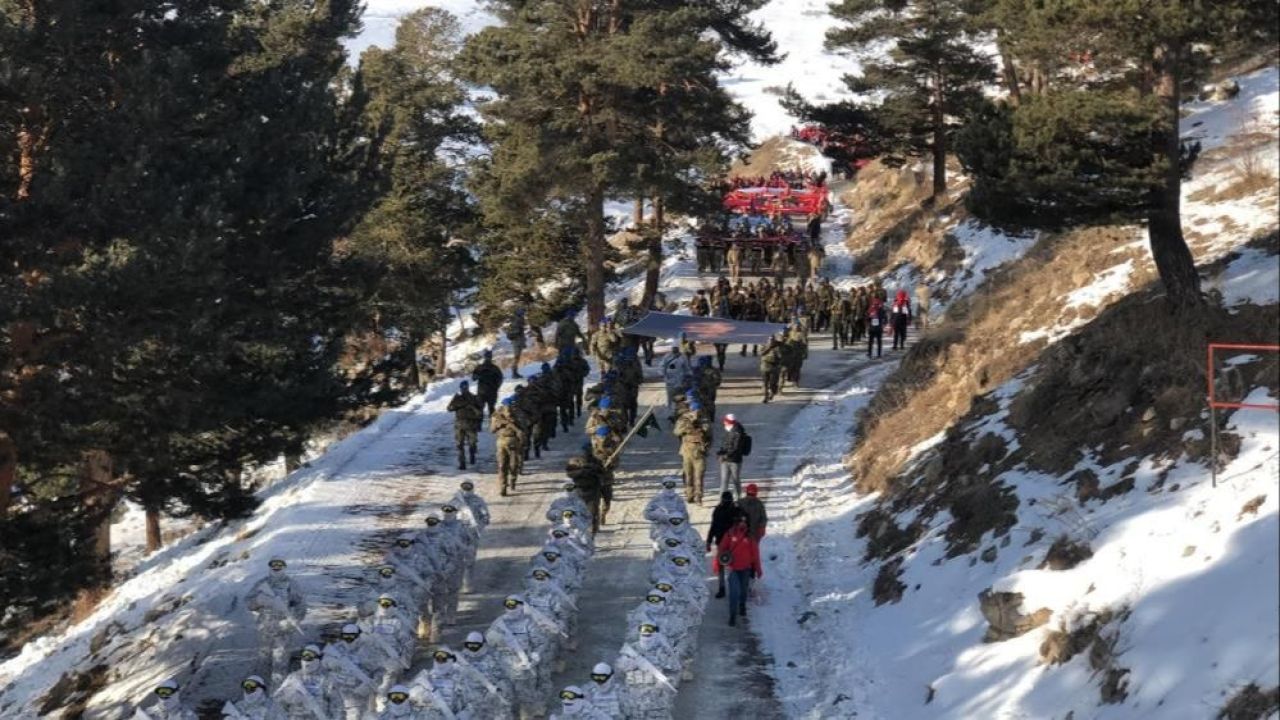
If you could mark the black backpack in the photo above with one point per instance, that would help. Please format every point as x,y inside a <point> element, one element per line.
<point>746,444</point>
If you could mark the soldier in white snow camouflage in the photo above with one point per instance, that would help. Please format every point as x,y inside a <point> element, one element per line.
<point>309,693</point>
<point>486,689</point>
<point>522,637</point>
<point>254,704</point>
<point>666,502</point>
<point>355,667</point>
<point>652,670</point>
<point>168,705</point>
<point>278,607</point>
<point>606,691</point>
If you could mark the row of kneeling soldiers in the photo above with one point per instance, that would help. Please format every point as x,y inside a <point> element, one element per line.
<point>662,632</point>
<point>413,593</point>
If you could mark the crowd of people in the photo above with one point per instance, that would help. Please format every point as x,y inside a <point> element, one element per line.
<point>794,178</point>
<point>756,243</point>
<point>411,594</point>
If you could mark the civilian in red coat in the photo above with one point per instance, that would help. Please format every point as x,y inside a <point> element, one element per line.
<point>740,555</point>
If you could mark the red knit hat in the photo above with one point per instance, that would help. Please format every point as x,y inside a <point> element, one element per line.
<point>752,489</point>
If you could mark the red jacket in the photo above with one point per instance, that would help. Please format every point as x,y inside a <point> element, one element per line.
<point>743,551</point>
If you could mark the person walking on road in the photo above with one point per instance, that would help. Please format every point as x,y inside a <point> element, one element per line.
<point>488,380</point>
<point>753,509</point>
<point>876,317</point>
<point>901,313</point>
<point>730,454</point>
<point>740,556</point>
<point>723,518</point>
<point>694,436</point>
<point>516,329</point>
<point>468,414</point>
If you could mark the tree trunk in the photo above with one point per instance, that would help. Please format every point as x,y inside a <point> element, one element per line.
<point>638,215</point>
<point>653,245</point>
<point>29,141</point>
<point>593,256</point>
<point>98,496</point>
<point>939,141</point>
<point>293,453</point>
<point>154,539</point>
<point>1008,70</point>
<point>442,355</point>
<point>415,371</point>
<point>1169,248</point>
<point>8,470</point>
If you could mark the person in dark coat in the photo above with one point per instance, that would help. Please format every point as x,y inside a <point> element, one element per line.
<point>753,509</point>
<point>488,380</point>
<point>722,519</point>
<point>876,318</point>
<point>730,455</point>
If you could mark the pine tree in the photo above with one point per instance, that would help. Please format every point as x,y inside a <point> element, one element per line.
<point>565,124</point>
<point>1165,42</point>
<point>167,242</point>
<point>410,111</point>
<point>930,78</point>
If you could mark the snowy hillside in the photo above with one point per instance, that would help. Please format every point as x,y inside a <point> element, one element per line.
<point>799,27</point>
<point>1057,550</point>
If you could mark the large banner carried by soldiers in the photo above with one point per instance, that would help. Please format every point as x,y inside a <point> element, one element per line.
<point>704,329</point>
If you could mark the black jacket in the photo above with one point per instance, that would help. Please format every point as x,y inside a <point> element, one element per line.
<point>722,519</point>
<point>731,445</point>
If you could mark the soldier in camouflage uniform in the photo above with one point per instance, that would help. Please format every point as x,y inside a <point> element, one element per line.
<point>593,483</point>
<point>695,437</point>
<point>468,413</point>
<point>510,443</point>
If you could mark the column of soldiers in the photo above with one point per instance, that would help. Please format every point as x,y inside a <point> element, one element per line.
<point>692,388</point>
<point>662,632</point>
<point>411,594</point>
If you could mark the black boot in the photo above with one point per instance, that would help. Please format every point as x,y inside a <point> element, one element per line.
<point>462,459</point>
<point>720,592</point>
<point>473,454</point>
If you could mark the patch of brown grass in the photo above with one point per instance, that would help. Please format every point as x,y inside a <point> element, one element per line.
<point>86,601</point>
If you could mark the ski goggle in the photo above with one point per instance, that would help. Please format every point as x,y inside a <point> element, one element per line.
<point>511,604</point>
<point>671,542</point>
<point>386,572</point>
<point>655,599</point>
<point>349,637</point>
<point>433,521</point>
<point>551,556</point>
<point>664,587</point>
<point>449,509</point>
<point>669,485</point>
<point>560,534</point>
<point>404,543</point>
<point>468,486</point>
<point>397,697</point>
<point>250,686</point>
<point>541,575</point>
<point>442,656</point>
<point>570,695</point>
<point>600,677</point>
<point>386,602</point>
<point>473,646</point>
<point>676,520</point>
<point>681,561</point>
<point>309,655</point>
<point>648,629</point>
<point>166,692</point>
<point>276,565</point>
<point>567,514</point>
